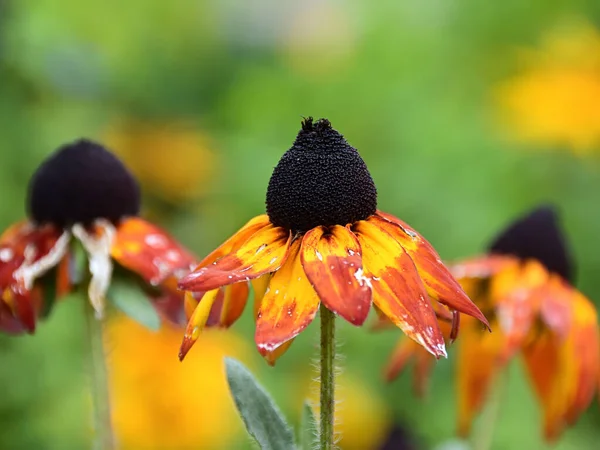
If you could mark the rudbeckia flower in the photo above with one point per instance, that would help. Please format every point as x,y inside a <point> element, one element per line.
<point>524,285</point>
<point>323,240</point>
<point>84,193</point>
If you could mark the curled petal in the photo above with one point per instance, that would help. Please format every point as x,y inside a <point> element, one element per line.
<point>331,258</point>
<point>197,321</point>
<point>438,280</point>
<point>265,251</point>
<point>397,289</point>
<point>98,244</point>
<point>288,306</point>
<point>150,252</point>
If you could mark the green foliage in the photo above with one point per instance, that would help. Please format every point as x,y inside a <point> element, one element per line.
<point>263,420</point>
<point>128,296</point>
<point>308,428</point>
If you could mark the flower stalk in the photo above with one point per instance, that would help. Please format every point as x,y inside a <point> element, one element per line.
<point>327,379</point>
<point>484,438</point>
<point>103,431</point>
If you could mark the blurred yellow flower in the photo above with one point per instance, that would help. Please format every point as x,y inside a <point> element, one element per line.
<point>159,403</point>
<point>555,98</point>
<point>362,418</point>
<point>172,160</point>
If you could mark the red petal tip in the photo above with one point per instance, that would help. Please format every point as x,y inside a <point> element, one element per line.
<point>186,345</point>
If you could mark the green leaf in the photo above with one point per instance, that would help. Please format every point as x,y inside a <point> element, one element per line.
<point>127,295</point>
<point>308,428</point>
<point>262,418</point>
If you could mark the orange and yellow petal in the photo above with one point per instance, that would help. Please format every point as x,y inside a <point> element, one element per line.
<point>265,251</point>
<point>229,306</point>
<point>516,293</point>
<point>22,247</point>
<point>438,280</point>
<point>197,321</point>
<point>480,267</point>
<point>553,374</point>
<point>584,341</point>
<point>236,241</point>
<point>478,364</point>
<point>288,306</point>
<point>331,258</point>
<point>405,351</point>
<point>148,251</point>
<point>272,357</point>
<point>397,289</point>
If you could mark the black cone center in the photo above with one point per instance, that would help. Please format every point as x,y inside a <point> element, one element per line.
<point>321,180</point>
<point>79,183</point>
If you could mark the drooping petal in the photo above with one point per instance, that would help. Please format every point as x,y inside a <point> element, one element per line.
<point>584,342</point>
<point>149,251</point>
<point>397,288</point>
<point>98,244</point>
<point>265,251</point>
<point>422,372</point>
<point>229,305</point>
<point>259,285</point>
<point>197,321</point>
<point>26,254</point>
<point>553,373</point>
<point>331,258</point>
<point>405,351</point>
<point>438,280</point>
<point>288,306</point>
<point>272,357</point>
<point>516,291</point>
<point>478,362</point>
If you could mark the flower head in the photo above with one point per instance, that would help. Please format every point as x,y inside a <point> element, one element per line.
<point>524,286</point>
<point>83,191</point>
<point>323,241</point>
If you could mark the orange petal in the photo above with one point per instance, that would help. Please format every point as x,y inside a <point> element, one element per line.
<point>553,374</point>
<point>405,350</point>
<point>259,285</point>
<point>8,322</point>
<point>480,267</point>
<point>235,241</point>
<point>397,288</point>
<point>332,262</point>
<point>422,372</point>
<point>265,251</point>
<point>272,357</point>
<point>584,340</point>
<point>477,365</point>
<point>197,322</point>
<point>229,305</point>
<point>438,280</point>
<point>149,251</point>
<point>22,247</point>
<point>516,293</point>
<point>288,306</point>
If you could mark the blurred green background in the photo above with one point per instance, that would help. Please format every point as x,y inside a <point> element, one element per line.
<point>467,113</point>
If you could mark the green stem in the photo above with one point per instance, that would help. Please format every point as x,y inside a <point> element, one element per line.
<point>103,432</point>
<point>484,437</point>
<point>327,378</point>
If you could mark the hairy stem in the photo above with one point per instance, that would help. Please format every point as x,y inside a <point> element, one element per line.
<point>103,432</point>
<point>327,378</point>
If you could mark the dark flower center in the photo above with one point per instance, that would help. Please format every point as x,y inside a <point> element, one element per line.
<point>321,180</point>
<point>79,183</point>
<point>537,236</point>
